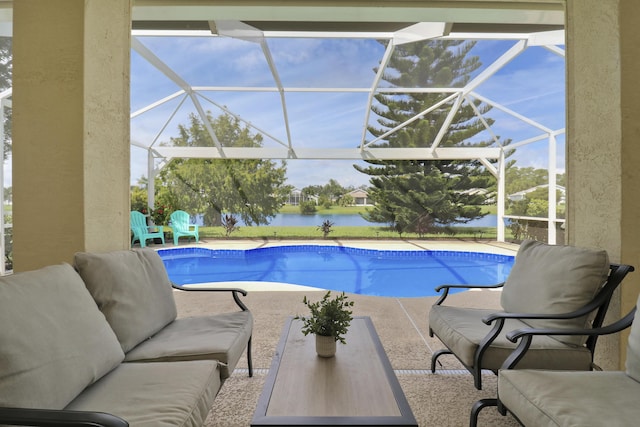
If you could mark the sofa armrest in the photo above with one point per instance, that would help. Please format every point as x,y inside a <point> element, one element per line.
<point>446,289</point>
<point>199,288</point>
<point>58,418</point>
<point>526,335</point>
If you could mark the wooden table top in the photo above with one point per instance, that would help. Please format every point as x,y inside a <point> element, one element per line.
<point>356,387</point>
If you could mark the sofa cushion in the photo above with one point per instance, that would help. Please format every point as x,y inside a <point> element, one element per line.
<point>222,337</point>
<point>462,331</point>
<point>54,341</point>
<point>155,394</point>
<point>549,279</point>
<point>557,398</point>
<point>132,289</point>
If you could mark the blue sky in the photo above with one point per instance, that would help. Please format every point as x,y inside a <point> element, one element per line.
<point>532,85</point>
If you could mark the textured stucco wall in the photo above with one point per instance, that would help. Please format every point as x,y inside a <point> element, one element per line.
<point>70,128</point>
<point>107,124</point>
<point>602,143</point>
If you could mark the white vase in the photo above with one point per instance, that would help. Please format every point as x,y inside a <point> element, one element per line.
<point>325,346</point>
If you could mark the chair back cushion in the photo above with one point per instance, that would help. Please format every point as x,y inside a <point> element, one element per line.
<point>550,279</point>
<point>633,347</point>
<point>133,291</point>
<point>54,342</point>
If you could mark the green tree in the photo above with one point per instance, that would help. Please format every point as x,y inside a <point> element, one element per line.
<point>253,189</point>
<point>138,195</point>
<point>6,73</point>
<point>333,190</point>
<point>415,195</point>
<point>519,179</point>
<point>311,190</point>
<point>139,199</point>
<point>308,207</point>
<point>535,202</point>
<point>346,200</point>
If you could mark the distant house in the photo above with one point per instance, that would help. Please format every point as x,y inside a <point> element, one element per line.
<point>360,197</point>
<point>296,197</point>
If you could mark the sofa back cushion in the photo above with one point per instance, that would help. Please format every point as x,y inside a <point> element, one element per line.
<point>633,347</point>
<point>550,279</point>
<point>54,341</point>
<point>133,291</point>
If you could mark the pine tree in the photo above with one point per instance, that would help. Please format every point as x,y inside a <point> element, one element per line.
<point>416,195</point>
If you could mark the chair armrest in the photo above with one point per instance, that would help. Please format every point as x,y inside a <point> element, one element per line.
<point>594,304</point>
<point>446,289</point>
<point>58,418</point>
<point>234,291</point>
<point>160,228</point>
<point>617,326</point>
<point>526,335</point>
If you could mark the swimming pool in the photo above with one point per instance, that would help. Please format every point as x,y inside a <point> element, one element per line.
<point>339,268</point>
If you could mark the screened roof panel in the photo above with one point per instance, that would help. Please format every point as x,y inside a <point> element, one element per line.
<point>315,91</point>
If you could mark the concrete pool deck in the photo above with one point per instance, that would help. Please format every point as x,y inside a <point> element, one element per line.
<point>398,245</point>
<point>441,399</point>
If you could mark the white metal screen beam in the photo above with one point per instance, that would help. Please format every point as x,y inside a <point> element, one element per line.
<point>448,153</point>
<point>376,81</point>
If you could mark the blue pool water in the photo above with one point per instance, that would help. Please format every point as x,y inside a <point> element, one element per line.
<point>360,271</point>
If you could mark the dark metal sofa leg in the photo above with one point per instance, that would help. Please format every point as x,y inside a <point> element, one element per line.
<point>434,358</point>
<point>479,406</point>
<point>249,360</point>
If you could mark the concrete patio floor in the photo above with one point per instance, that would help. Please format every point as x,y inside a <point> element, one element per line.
<point>441,399</point>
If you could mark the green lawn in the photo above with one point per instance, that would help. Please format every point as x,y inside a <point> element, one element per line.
<point>344,232</point>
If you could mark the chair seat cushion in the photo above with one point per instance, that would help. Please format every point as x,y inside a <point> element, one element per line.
<point>560,398</point>
<point>155,394</point>
<point>462,330</point>
<point>220,337</point>
<point>132,289</point>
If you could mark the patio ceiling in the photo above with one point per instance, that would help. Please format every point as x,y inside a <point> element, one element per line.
<point>526,23</point>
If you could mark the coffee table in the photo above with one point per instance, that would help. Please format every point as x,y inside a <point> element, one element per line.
<point>356,387</point>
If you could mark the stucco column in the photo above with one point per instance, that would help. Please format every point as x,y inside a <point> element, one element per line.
<point>70,129</point>
<point>603,142</point>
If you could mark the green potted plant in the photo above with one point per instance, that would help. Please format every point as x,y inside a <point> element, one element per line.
<point>329,321</point>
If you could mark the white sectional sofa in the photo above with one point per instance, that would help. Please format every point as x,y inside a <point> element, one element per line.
<point>101,344</point>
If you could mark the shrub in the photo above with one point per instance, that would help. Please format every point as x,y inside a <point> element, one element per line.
<point>308,208</point>
<point>229,222</point>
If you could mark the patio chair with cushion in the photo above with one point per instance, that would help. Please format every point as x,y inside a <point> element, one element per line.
<point>141,231</point>
<point>548,287</point>
<point>569,398</point>
<point>181,227</point>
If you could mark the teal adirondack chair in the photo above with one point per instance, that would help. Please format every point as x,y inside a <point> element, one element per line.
<point>142,232</point>
<point>181,227</point>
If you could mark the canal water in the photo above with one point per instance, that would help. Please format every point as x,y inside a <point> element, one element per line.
<point>351,220</point>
